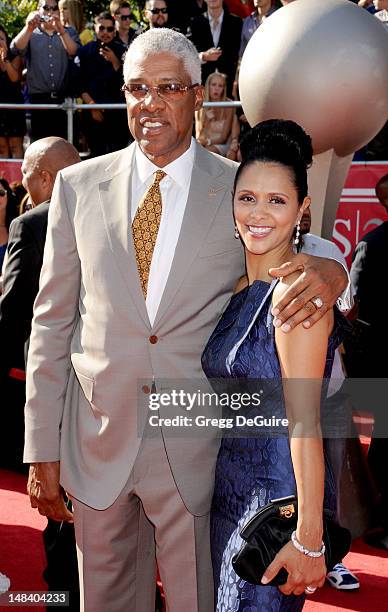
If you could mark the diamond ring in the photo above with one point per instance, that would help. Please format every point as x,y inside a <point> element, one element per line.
<point>310,590</point>
<point>317,302</point>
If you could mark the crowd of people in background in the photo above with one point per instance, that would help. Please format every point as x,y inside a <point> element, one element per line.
<point>65,51</point>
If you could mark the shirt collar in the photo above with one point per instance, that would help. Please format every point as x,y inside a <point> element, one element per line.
<point>220,18</point>
<point>178,170</point>
<point>255,14</point>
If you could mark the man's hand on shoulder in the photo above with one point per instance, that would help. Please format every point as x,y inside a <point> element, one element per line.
<point>319,278</point>
<point>46,493</point>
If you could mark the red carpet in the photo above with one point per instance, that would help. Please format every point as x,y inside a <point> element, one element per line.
<point>21,549</point>
<point>371,568</point>
<point>22,557</point>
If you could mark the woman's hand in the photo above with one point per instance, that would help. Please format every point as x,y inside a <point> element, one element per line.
<point>57,24</point>
<point>303,571</point>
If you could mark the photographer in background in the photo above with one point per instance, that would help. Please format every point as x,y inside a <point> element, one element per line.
<point>100,63</point>
<point>12,122</point>
<point>47,46</point>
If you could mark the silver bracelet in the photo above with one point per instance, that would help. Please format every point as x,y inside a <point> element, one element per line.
<point>309,553</point>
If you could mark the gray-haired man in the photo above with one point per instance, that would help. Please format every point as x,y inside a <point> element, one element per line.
<point>108,315</point>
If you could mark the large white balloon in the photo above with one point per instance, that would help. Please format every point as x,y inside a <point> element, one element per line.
<point>324,64</point>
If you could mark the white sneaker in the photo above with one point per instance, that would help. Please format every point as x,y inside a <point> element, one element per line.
<point>342,579</point>
<point>5,583</point>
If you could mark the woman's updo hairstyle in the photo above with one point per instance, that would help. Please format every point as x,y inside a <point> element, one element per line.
<point>281,142</point>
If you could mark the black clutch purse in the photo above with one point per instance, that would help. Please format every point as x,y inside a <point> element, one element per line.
<point>270,529</point>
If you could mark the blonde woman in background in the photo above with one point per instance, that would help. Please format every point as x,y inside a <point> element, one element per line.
<point>217,129</point>
<point>72,14</point>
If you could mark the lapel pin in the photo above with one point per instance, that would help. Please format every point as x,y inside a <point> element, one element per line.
<point>213,190</point>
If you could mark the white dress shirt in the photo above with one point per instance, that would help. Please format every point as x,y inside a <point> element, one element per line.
<point>216,28</point>
<point>383,17</point>
<point>174,189</point>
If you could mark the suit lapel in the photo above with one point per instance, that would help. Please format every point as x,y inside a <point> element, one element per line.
<point>115,197</point>
<point>207,33</point>
<point>207,190</point>
<point>222,41</point>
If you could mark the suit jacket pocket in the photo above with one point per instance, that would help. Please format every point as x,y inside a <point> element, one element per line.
<point>87,385</point>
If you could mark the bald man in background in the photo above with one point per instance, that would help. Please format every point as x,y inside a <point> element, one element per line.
<point>43,159</point>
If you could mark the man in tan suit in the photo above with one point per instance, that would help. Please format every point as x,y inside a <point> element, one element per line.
<point>139,264</point>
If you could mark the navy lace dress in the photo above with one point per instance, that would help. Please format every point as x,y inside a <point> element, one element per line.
<point>251,470</point>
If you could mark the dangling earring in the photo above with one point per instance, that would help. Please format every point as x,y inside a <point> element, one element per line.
<point>297,234</point>
<point>236,234</point>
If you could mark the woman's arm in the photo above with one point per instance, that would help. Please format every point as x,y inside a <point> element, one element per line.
<point>13,68</point>
<point>227,128</point>
<point>234,145</point>
<point>70,45</point>
<point>302,356</point>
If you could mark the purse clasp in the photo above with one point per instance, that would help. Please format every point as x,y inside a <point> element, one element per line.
<point>287,511</point>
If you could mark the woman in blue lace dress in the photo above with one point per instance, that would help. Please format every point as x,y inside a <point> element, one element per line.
<point>270,196</point>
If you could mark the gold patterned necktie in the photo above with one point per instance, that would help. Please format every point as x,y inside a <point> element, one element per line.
<point>145,227</point>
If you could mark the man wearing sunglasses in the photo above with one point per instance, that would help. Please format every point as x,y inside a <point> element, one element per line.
<point>47,46</point>
<point>156,13</point>
<point>121,12</point>
<point>100,63</point>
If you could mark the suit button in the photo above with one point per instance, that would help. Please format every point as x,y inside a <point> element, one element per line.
<point>153,339</point>
<point>145,389</point>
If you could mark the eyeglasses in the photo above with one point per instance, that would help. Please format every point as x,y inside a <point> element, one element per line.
<point>156,11</point>
<point>47,8</point>
<point>102,28</point>
<point>166,91</point>
<point>3,192</point>
<point>125,17</point>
